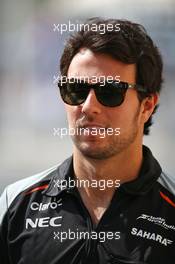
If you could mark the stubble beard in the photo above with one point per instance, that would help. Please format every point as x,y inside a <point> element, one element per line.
<point>111,145</point>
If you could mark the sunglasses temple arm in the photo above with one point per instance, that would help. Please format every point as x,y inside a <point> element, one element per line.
<point>139,88</point>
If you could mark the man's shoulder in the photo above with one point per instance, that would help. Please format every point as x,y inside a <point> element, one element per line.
<point>13,190</point>
<point>168,182</point>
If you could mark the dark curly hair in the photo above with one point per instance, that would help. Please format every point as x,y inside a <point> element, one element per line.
<point>131,44</point>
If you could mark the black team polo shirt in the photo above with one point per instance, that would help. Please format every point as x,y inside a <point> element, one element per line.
<point>41,223</point>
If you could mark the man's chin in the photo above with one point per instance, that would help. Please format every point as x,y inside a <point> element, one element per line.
<point>93,155</point>
<point>94,150</point>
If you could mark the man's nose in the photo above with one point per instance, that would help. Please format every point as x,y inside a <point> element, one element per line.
<point>91,104</point>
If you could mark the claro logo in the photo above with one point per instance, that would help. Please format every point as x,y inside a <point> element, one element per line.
<point>43,222</point>
<point>45,206</point>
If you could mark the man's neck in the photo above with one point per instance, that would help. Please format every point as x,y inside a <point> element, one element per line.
<point>121,168</point>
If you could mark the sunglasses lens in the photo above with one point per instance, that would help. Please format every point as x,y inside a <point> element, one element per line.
<point>111,94</point>
<point>73,93</point>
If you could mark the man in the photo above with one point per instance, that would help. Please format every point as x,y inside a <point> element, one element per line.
<point>110,202</point>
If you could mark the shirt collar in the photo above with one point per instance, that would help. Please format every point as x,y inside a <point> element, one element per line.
<point>148,175</point>
<point>62,173</point>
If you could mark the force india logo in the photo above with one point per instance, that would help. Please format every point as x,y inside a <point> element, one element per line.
<point>156,220</point>
<point>151,236</point>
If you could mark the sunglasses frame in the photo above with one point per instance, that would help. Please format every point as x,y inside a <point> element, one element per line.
<point>122,86</point>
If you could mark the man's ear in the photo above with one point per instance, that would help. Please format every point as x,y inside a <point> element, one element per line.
<point>148,105</point>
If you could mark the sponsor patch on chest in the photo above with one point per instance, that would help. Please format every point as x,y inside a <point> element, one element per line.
<point>151,236</point>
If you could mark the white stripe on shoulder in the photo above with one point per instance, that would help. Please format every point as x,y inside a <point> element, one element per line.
<point>168,182</point>
<point>12,190</point>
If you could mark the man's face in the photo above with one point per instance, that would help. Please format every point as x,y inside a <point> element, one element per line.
<point>93,115</point>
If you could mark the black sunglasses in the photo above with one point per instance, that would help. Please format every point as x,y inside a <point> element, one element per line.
<point>111,94</point>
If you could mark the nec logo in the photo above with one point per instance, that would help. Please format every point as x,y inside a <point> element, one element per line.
<point>43,222</point>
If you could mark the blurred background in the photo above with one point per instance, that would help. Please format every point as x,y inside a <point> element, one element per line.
<point>30,107</point>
